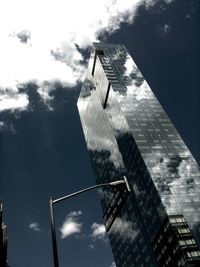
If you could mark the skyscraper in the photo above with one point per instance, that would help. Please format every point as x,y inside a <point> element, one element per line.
<point>128,134</point>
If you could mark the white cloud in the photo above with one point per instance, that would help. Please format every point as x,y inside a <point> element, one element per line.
<point>164,30</point>
<point>124,228</point>
<point>34,226</point>
<point>24,36</point>
<point>71,225</point>
<point>10,100</point>
<point>99,139</point>
<point>168,1</point>
<point>98,231</point>
<point>5,126</point>
<point>138,87</point>
<point>116,117</point>
<point>44,91</point>
<point>130,67</point>
<point>113,264</point>
<point>2,125</point>
<point>39,39</point>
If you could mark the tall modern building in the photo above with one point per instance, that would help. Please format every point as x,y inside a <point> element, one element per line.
<point>128,134</point>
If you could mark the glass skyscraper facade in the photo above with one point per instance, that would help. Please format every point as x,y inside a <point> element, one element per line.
<point>128,134</point>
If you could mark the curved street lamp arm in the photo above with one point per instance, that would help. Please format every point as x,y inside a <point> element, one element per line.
<point>115,183</point>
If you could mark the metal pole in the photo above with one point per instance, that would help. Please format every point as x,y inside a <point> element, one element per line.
<point>53,233</point>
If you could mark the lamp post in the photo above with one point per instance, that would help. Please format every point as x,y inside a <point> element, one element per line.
<point>54,201</point>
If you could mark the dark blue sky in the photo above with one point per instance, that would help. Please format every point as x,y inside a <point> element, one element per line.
<point>43,152</point>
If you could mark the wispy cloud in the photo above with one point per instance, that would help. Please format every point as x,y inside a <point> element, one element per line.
<point>12,100</point>
<point>91,246</point>
<point>113,264</point>
<point>164,30</point>
<point>5,126</point>
<point>168,1</point>
<point>35,227</point>
<point>46,43</point>
<point>124,228</point>
<point>100,141</point>
<point>98,231</point>
<point>2,125</point>
<point>71,225</point>
<point>24,36</point>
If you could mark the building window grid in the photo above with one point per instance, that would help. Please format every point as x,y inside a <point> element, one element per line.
<point>166,129</point>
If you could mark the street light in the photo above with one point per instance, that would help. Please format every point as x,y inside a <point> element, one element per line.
<point>54,201</point>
